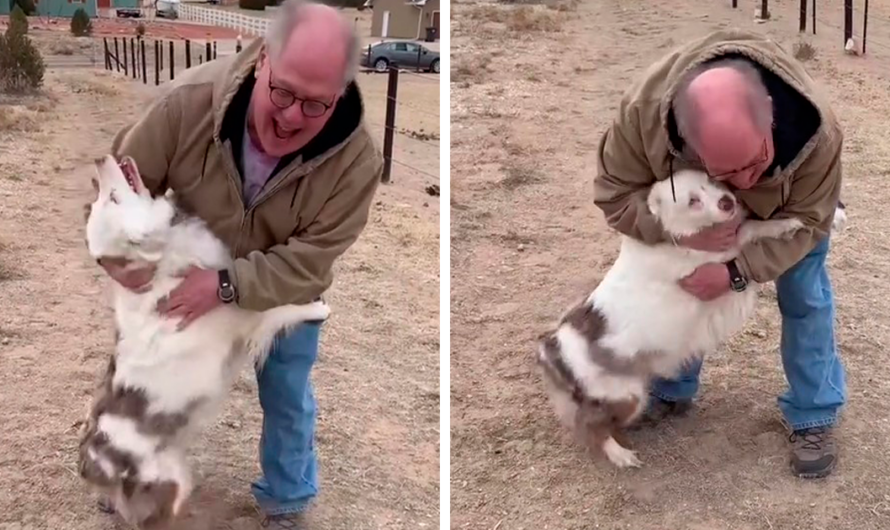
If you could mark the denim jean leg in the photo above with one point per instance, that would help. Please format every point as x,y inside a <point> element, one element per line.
<point>816,381</point>
<point>682,387</point>
<point>287,445</point>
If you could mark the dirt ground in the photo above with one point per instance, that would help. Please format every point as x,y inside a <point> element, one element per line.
<point>527,112</point>
<point>377,375</point>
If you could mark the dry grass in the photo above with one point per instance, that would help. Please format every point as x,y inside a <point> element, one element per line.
<point>471,69</point>
<point>804,51</point>
<point>92,85</point>
<point>16,118</point>
<point>522,18</point>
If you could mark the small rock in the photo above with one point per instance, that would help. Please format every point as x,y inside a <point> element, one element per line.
<point>521,248</point>
<point>5,340</point>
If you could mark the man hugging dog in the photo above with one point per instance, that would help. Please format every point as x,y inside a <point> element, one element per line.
<point>738,106</point>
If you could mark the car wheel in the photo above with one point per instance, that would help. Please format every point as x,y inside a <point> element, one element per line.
<point>435,66</point>
<point>381,65</point>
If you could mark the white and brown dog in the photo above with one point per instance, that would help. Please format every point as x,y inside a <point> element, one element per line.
<point>639,323</point>
<point>162,384</point>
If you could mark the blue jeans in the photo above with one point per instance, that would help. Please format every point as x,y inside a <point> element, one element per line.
<point>816,382</point>
<point>287,444</point>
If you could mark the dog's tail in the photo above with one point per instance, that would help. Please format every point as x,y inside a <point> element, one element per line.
<point>281,320</point>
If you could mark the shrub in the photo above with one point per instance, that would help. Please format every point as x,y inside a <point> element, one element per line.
<point>140,29</point>
<point>17,20</point>
<point>21,66</point>
<point>256,5</point>
<point>80,23</point>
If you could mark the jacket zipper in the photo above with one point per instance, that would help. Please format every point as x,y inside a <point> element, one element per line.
<point>229,162</point>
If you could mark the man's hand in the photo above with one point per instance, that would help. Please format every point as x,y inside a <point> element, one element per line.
<point>193,298</point>
<point>707,282</point>
<point>717,238</point>
<point>136,279</point>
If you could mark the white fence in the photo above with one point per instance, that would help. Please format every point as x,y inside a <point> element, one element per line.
<point>221,17</point>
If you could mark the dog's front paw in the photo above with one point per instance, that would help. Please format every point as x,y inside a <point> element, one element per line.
<point>620,456</point>
<point>320,310</point>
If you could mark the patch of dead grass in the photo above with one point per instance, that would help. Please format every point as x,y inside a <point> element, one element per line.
<point>803,51</point>
<point>519,174</point>
<point>523,18</point>
<point>471,68</point>
<point>18,118</point>
<point>91,85</point>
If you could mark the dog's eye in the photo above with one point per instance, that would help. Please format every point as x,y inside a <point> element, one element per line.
<point>113,198</point>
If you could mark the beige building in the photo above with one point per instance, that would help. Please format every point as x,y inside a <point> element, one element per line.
<point>404,19</point>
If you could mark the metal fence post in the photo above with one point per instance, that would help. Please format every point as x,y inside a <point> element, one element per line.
<point>172,67</point>
<point>157,64</point>
<point>144,71</point>
<point>107,57</point>
<point>117,56</point>
<point>864,26</point>
<point>803,16</point>
<point>125,55</point>
<point>133,58</point>
<point>848,21</point>
<point>188,54</point>
<point>391,91</point>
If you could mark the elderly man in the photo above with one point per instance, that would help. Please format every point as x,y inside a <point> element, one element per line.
<point>268,147</point>
<point>738,106</point>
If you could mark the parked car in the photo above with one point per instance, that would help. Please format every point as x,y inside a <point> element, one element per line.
<point>403,53</point>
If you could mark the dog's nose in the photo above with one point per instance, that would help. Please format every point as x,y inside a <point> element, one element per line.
<point>726,203</point>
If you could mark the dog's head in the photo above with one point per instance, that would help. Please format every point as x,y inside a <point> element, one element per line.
<point>692,202</point>
<point>125,221</point>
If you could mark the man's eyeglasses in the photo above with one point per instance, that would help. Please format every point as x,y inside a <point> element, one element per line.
<point>282,98</point>
<point>764,156</point>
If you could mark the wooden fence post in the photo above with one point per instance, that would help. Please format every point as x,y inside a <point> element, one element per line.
<point>172,67</point>
<point>107,57</point>
<point>391,91</point>
<point>117,57</point>
<point>848,21</point>
<point>188,54</point>
<point>864,26</point>
<point>157,64</point>
<point>144,72</point>
<point>764,10</point>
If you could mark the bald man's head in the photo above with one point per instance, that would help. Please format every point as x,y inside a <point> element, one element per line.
<point>329,36</point>
<point>724,114</point>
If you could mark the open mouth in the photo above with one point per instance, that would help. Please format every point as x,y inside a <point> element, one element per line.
<point>283,133</point>
<point>129,174</point>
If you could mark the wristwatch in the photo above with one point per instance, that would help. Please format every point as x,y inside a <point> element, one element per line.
<point>226,290</point>
<point>738,282</point>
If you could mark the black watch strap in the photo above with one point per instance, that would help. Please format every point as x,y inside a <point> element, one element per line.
<point>736,280</point>
<point>226,291</point>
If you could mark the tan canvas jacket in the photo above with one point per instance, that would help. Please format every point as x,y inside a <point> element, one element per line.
<point>308,214</point>
<point>636,151</point>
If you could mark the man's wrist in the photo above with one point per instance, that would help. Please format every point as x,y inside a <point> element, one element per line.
<point>737,280</point>
<point>225,289</point>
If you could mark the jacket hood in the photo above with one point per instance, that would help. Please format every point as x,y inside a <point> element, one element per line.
<point>771,57</point>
